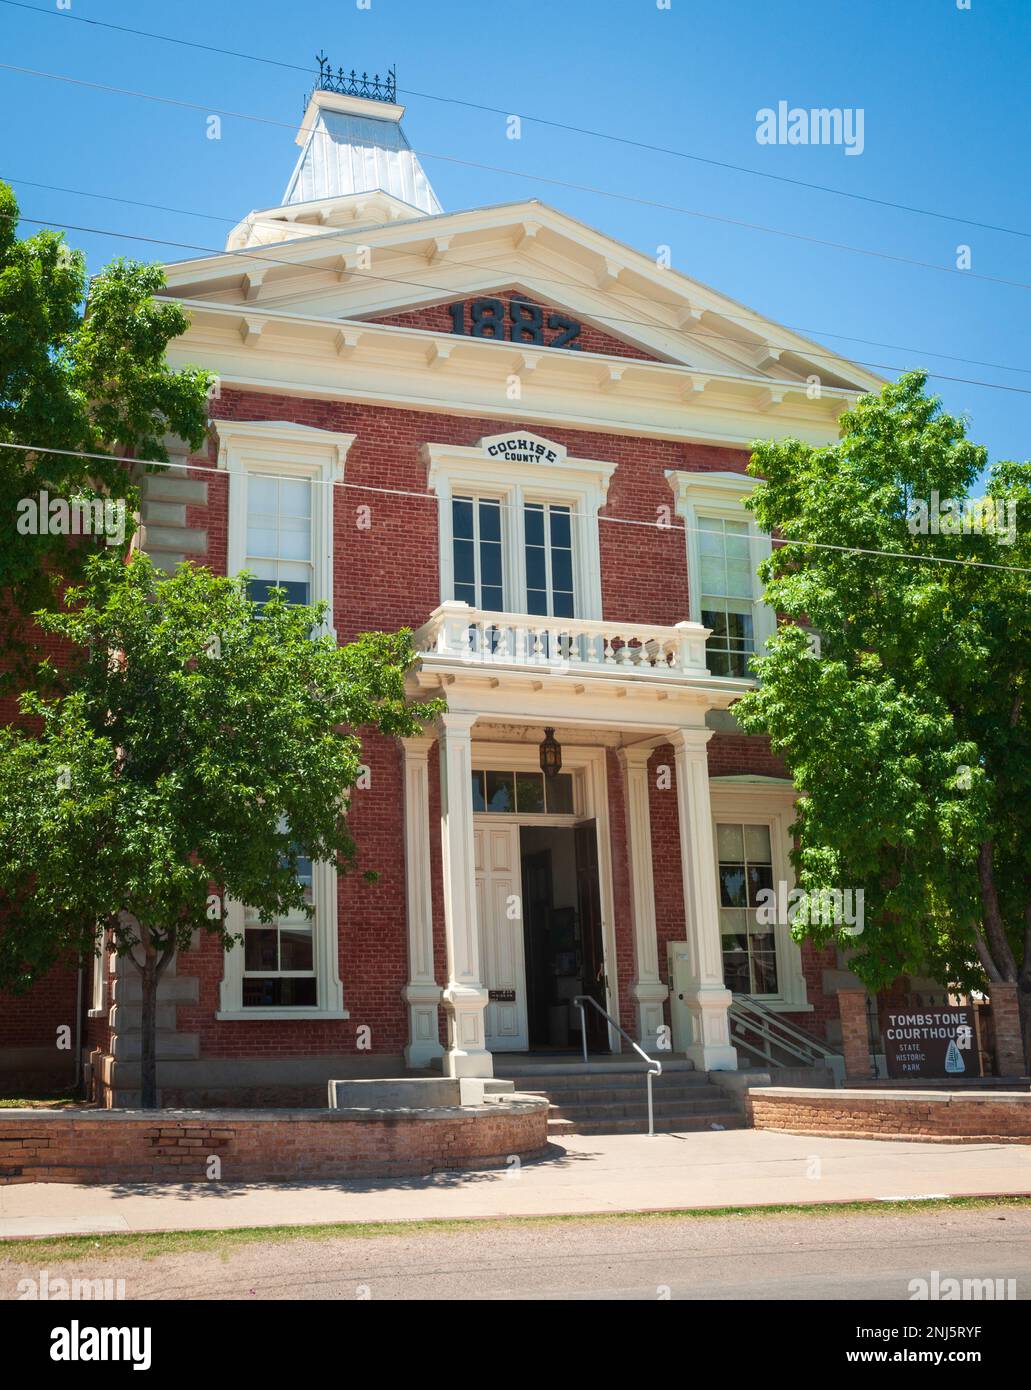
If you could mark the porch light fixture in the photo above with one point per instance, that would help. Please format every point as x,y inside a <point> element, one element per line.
<point>551,754</point>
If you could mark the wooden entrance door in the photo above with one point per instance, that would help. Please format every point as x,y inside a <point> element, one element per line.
<point>500,919</point>
<point>588,890</point>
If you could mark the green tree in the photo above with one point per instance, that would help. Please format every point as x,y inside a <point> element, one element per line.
<point>203,745</point>
<point>910,730</point>
<point>89,377</point>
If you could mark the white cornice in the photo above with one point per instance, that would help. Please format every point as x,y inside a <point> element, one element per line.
<point>675,300</point>
<point>614,370</point>
<point>281,439</point>
<point>719,486</point>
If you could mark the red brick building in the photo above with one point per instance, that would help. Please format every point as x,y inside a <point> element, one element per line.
<point>527,442</point>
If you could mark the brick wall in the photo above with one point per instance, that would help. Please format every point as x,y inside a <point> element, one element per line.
<point>387,576</point>
<point>943,1116</point>
<point>437,319</point>
<point>264,1146</point>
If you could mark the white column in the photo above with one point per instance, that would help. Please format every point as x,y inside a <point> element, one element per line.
<point>465,998</point>
<point>707,997</point>
<point>648,990</point>
<point>422,993</point>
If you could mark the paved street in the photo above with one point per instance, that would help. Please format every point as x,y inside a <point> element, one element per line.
<point>811,1256</point>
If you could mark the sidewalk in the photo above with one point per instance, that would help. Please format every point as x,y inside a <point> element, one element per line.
<point>585,1173</point>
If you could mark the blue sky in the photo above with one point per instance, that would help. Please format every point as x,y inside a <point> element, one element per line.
<point>943,90</point>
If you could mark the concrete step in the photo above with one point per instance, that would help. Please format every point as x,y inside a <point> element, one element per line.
<point>612,1098</point>
<point>617,1109</point>
<point>517,1067</point>
<point>546,1081</point>
<point>599,1095</point>
<point>724,1119</point>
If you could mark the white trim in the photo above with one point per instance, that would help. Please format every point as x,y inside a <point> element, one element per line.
<point>98,984</point>
<point>281,447</point>
<point>649,992</point>
<point>772,804</point>
<point>721,494</point>
<point>582,484</point>
<point>670,302</point>
<point>329,990</point>
<point>705,995</point>
<point>421,994</point>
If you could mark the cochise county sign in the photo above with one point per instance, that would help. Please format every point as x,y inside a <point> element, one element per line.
<point>522,448</point>
<point>931,1042</point>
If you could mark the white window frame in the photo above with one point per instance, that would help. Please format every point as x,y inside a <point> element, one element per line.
<point>286,450</point>
<point>581,484</point>
<point>476,498</point>
<point>721,495</point>
<point>329,992</point>
<point>548,548</point>
<point>98,983</point>
<point>769,801</point>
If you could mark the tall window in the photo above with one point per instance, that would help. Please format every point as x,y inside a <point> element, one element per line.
<point>279,956</point>
<point>549,559</point>
<point>745,869</point>
<point>279,537</point>
<point>476,547</point>
<point>727,594</point>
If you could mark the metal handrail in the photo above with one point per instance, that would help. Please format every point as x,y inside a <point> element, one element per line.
<point>654,1067</point>
<point>775,1032</point>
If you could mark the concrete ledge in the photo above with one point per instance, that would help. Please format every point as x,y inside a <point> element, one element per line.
<point>415,1093</point>
<point>107,1146</point>
<point>934,1115</point>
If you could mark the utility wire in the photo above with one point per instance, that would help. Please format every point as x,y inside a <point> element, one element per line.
<point>370,275</point>
<point>541,120</point>
<point>512,506</point>
<point>695,332</point>
<point>542,178</point>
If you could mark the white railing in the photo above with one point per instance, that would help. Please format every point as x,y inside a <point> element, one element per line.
<point>475,636</point>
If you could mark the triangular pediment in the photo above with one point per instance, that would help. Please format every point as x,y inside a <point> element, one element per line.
<point>408,272</point>
<point>514,314</point>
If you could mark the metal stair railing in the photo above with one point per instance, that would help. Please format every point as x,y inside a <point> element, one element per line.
<point>775,1034</point>
<point>654,1067</point>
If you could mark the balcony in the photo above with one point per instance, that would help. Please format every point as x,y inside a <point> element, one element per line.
<point>459,637</point>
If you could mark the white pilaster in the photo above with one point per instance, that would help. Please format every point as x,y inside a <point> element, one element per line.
<point>707,997</point>
<point>649,992</point>
<point>422,993</point>
<point>464,998</point>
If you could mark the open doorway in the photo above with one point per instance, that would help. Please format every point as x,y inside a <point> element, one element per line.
<point>562,935</point>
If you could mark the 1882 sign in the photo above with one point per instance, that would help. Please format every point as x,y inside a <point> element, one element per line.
<point>519,321</point>
<point>931,1042</point>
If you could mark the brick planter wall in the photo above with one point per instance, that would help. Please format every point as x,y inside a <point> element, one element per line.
<point>102,1146</point>
<point>938,1116</point>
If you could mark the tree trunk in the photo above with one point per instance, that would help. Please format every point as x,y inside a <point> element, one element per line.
<point>150,977</point>
<point>148,1040</point>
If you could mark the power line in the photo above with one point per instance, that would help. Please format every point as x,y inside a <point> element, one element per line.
<point>421,284</point>
<point>542,178</point>
<point>512,506</point>
<point>558,280</point>
<point>555,125</point>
